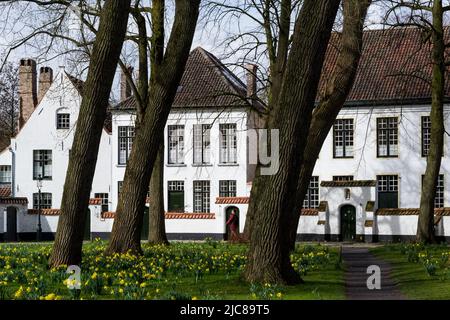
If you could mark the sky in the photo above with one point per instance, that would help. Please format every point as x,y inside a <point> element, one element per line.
<point>207,35</point>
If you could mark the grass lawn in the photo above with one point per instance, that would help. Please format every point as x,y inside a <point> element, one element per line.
<point>210,270</point>
<point>422,272</point>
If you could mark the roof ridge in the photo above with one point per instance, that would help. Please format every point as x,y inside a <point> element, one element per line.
<point>219,64</point>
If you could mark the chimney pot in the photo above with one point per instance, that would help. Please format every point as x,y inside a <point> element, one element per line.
<point>125,86</point>
<point>27,89</point>
<point>45,81</point>
<point>251,80</point>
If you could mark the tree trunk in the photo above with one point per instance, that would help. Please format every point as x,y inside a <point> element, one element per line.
<point>336,93</point>
<point>425,225</point>
<point>157,224</point>
<point>163,86</point>
<point>83,158</point>
<point>268,258</point>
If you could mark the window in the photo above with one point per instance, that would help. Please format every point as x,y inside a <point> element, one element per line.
<point>63,121</point>
<point>312,195</point>
<point>387,137</point>
<point>227,188</point>
<point>342,178</point>
<point>5,175</point>
<point>202,143</point>
<point>387,191</point>
<point>42,164</point>
<point>201,196</point>
<point>175,196</point>
<point>426,135</point>
<point>176,144</point>
<point>343,138</point>
<point>105,202</point>
<point>46,200</point>
<point>439,198</point>
<point>126,136</point>
<point>228,143</point>
<point>119,188</point>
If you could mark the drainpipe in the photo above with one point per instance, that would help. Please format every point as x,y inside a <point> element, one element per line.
<point>13,172</point>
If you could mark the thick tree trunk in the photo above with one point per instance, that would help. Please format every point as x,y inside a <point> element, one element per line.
<point>157,222</point>
<point>163,86</point>
<point>83,158</point>
<point>425,225</point>
<point>268,258</point>
<point>336,93</point>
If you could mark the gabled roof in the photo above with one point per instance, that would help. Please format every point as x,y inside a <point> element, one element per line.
<point>395,67</point>
<point>206,82</point>
<point>78,84</point>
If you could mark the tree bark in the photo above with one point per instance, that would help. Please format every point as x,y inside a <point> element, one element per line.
<point>164,81</point>
<point>83,158</point>
<point>157,224</point>
<point>336,92</point>
<point>268,257</point>
<point>425,225</point>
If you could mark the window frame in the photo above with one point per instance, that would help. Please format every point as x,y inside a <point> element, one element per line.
<point>230,186</point>
<point>178,145</point>
<point>175,186</point>
<point>45,196</point>
<point>205,144</point>
<point>345,133</point>
<point>43,163</point>
<point>126,141</point>
<point>105,200</point>
<point>59,121</point>
<point>388,137</point>
<point>440,191</point>
<point>5,173</point>
<point>378,178</point>
<point>205,201</point>
<point>314,185</point>
<point>343,178</point>
<point>226,144</point>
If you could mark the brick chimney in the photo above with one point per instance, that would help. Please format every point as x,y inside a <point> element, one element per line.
<point>125,87</point>
<point>27,89</point>
<point>45,81</point>
<point>251,79</point>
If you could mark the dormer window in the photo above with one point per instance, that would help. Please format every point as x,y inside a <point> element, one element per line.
<point>63,121</point>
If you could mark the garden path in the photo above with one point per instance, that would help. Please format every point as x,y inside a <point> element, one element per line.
<point>356,261</point>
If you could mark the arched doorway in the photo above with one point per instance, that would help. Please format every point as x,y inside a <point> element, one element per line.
<point>227,217</point>
<point>11,224</point>
<point>348,223</point>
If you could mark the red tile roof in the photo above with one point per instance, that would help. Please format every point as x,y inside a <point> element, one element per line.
<point>95,201</point>
<point>351,183</point>
<point>46,212</point>
<point>9,200</point>
<point>393,66</point>
<point>5,192</point>
<point>410,211</point>
<point>232,200</point>
<point>309,212</point>
<point>206,82</point>
<point>171,215</point>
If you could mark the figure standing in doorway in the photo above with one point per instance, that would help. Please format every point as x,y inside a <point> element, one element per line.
<point>233,224</point>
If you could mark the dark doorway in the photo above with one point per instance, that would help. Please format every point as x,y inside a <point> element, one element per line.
<point>227,216</point>
<point>11,224</point>
<point>87,226</point>
<point>348,223</point>
<point>144,233</point>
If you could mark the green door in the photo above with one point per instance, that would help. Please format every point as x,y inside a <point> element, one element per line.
<point>348,223</point>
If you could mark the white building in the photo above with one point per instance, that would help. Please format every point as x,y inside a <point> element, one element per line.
<point>365,186</point>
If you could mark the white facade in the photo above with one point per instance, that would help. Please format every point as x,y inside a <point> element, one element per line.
<point>323,220</point>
